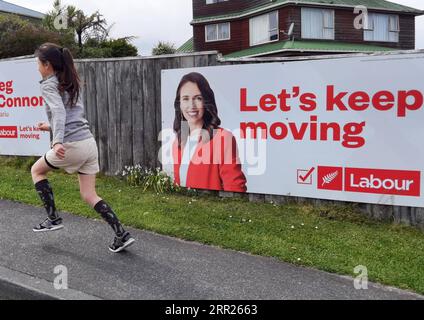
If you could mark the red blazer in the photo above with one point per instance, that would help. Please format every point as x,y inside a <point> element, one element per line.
<point>215,164</point>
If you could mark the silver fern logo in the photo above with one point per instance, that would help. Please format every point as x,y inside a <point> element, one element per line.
<point>329,178</point>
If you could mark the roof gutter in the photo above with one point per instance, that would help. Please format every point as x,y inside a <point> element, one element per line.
<point>305,50</point>
<point>257,58</point>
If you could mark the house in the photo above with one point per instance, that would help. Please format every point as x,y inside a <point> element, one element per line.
<point>10,8</point>
<point>259,28</point>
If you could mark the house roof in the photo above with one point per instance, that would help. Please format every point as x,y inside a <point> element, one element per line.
<point>306,46</point>
<point>187,47</point>
<point>370,4</point>
<point>13,8</point>
<point>295,46</point>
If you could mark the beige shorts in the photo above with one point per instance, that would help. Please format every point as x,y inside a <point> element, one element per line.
<point>80,156</point>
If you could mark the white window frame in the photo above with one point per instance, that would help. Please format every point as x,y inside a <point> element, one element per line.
<point>324,27</point>
<point>370,27</point>
<point>217,32</point>
<point>397,28</point>
<point>269,31</point>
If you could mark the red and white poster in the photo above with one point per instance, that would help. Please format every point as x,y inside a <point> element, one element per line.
<point>349,129</point>
<point>21,109</point>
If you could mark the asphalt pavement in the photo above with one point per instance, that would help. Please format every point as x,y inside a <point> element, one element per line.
<point>156,267</point>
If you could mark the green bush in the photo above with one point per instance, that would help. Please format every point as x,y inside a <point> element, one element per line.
<point>10,23</point>
<point>20,37</point>
<point>120,48</point>
<point>95,52</point>
<point>107,49</point>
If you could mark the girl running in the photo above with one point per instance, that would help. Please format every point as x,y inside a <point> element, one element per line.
<point>73,146</point>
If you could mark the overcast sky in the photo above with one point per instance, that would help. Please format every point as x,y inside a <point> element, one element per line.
<point>161,20</point>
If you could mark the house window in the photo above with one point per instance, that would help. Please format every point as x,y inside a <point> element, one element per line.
<point>214,1</point>
<point>317,23</point>
<point>218,32</point>
<point>382,27</point>
<point>264,28</point>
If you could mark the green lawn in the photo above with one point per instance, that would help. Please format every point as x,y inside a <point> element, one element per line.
<point>334,239</point>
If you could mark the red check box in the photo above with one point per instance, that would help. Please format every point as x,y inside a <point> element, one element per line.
<point>305,176</point>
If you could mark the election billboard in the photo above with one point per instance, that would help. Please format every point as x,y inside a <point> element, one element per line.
<point>348,129</point>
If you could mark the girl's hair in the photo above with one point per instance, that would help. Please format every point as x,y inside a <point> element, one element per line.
<point>210,118</point>
<point>63,64</point>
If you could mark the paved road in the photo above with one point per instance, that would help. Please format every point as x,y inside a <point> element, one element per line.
<point>156,267</point>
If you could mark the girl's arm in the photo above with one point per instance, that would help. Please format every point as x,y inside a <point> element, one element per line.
<point>52,97</point>
<point>44,126</point>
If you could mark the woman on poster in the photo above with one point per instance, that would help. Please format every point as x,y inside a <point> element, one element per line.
<point>205,155</point>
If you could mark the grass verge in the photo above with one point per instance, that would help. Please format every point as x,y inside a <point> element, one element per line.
<point>329,238</point>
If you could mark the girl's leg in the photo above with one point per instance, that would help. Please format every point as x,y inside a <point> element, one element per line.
<point>39,176</point>
<point>89,195</point>
<point>39,170</point>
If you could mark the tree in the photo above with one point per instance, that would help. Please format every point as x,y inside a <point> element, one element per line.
<point>164,48</point>
<point>90,31</point>
<point>86,24</point>
<point>51,17</point>
<point>71,19</point>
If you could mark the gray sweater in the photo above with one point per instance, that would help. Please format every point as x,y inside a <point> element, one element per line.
<point>68,123</point>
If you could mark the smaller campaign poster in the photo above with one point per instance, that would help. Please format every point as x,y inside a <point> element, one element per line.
<point>21,109</point>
